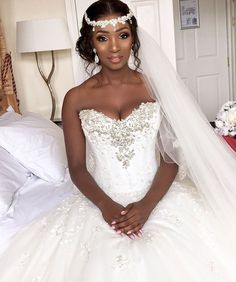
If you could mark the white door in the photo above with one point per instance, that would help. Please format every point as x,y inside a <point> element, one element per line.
<point>155,16</point>
<point>202,57</point>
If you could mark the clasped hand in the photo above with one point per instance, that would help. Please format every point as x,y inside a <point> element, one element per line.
<point>127,220</point>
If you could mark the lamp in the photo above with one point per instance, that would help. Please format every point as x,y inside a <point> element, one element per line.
<point>43,35</point>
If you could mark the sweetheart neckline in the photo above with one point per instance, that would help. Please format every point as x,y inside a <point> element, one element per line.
<point>122,119</point>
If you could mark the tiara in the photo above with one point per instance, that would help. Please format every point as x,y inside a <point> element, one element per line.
<point>113,22</point>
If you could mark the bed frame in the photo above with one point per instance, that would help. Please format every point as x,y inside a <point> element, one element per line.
<point>8,100</point>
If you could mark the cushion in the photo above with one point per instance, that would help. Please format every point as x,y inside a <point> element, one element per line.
<point>9,116</point>
<point>38,144</point>
<point>12,177</point>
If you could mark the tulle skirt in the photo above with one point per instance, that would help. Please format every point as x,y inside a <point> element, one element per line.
<point>73,243</point>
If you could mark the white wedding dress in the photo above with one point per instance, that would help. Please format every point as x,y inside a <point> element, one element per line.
<point>74,244</point>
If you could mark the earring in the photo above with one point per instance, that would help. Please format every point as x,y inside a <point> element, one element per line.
<point>96,59</point>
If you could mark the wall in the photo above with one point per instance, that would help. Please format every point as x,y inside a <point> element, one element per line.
<point>32,90</point>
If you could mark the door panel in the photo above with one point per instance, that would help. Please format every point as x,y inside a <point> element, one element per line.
<point>202,57</point>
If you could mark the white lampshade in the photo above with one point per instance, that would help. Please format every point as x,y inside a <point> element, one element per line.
<point>42,35</point>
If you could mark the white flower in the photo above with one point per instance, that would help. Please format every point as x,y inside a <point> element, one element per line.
<point>226,119</point>
<point>219,123</point>
<point>232,117</point>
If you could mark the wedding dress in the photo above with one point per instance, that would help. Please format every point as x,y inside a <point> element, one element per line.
<point>74,244</point>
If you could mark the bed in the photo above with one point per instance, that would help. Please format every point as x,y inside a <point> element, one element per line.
<point>34,177</point>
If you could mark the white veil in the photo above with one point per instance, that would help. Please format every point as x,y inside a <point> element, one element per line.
<point>185,134</point>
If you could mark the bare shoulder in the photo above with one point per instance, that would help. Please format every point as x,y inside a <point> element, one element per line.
<point>78,97</point>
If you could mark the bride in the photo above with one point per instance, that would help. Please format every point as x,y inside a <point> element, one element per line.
<point>133,218</point>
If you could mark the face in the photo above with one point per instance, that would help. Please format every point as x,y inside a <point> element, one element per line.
<point>113,44</point>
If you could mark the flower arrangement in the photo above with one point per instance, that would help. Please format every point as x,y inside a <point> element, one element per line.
<point>225,121</point>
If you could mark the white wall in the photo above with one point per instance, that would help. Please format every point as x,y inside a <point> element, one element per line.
<point>32,90</point>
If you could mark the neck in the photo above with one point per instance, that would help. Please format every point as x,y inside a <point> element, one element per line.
<point>116,77</point>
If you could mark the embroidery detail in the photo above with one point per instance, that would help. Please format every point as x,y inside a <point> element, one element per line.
<point>121,134</point>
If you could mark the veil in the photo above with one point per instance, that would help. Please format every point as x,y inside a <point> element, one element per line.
<point>186,137</point>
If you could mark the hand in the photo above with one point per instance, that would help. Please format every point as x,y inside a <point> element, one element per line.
<point>111,211</point>
<point>132,218</point>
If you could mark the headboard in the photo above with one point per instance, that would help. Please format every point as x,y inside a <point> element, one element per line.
<point>8,95</point>
<point>8,100</point>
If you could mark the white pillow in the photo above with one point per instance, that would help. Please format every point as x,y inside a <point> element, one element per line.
<point>12,176</point>
<point>38,144</point>
<point>9,116</point>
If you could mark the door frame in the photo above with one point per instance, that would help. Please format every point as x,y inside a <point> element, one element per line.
<point>231,35</point>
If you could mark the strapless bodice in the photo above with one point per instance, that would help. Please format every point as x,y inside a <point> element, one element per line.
<point>121,153</point>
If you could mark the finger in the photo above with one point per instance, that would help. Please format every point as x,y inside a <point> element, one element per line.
<point>129,229</point>
<point>125,224</point>
<point>127,209</point>
<point>137,230</point>
<point>124,218</point>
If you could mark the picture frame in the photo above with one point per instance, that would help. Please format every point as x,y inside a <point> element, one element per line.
<point>189,14</point>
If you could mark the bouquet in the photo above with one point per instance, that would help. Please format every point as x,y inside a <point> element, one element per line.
<point>225,121</point>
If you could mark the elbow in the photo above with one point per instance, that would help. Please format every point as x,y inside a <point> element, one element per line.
<point>76,172</point>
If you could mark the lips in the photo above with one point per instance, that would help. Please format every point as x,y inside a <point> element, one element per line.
<point>115,59</point>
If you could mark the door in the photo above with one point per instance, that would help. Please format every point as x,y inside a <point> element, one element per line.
<point>202,56</point>
<point>155,16</point>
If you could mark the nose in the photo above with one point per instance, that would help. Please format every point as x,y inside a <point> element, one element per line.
<point>114,45</point>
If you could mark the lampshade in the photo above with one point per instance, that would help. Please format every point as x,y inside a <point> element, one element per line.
<point>42,35</point>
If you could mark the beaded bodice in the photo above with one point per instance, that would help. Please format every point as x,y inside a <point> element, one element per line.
<point>121,153</point>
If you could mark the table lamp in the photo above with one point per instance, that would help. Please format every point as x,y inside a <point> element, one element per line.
<point>39,36</point>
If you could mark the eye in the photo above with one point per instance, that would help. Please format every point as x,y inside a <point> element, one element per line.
<point>101,38</point>
<point>124,35</point>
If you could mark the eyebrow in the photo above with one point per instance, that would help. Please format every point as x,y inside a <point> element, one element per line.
<point>104,31</point>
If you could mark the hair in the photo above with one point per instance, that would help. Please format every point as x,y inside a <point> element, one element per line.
<point>95,11</point>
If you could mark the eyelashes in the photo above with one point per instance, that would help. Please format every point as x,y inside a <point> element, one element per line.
<point>124,35</point>
<point>103,38</point>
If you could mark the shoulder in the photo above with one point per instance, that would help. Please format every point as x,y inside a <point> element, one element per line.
<point>78,97</point>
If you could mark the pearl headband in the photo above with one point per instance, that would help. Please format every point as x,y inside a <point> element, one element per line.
<point>113,22</point>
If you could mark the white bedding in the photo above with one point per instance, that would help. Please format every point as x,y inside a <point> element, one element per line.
<point>32,200</point>
<point>33,171</point>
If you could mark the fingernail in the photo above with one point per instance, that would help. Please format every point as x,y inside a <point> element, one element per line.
<point>119,232</point>
<point>123,212</point>
<point>113,227</point>
<point>113,222</point>
<point>129,232</point>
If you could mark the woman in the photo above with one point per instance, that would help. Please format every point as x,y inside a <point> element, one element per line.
<point>130,220</point>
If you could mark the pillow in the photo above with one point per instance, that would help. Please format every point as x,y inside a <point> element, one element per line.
<point>12,176</point>
<point>38,144</point>
<point>9,116</point>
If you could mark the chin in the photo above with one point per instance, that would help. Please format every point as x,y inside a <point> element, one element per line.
<point>117,66</point>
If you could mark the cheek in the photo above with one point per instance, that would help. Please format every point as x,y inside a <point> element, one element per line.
<point>101,49</point>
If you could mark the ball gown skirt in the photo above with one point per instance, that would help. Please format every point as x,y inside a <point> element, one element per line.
<point>73,243</point>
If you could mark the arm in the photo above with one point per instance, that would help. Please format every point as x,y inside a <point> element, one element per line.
<point>134,216</point>
<point>76,155</point>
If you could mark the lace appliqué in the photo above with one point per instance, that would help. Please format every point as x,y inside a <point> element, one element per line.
<point>121,134</point>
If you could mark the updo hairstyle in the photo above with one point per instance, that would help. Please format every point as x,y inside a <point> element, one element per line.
<point>95,11</point>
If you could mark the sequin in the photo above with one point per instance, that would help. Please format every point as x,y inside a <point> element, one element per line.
<point>121,134</point>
